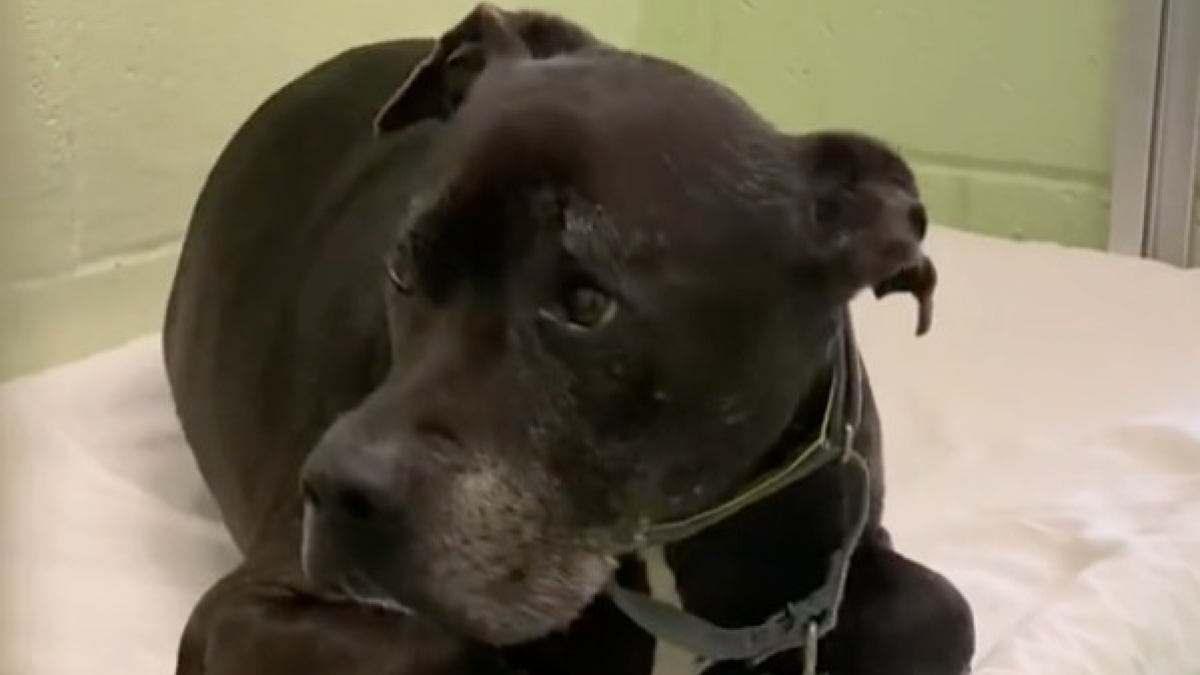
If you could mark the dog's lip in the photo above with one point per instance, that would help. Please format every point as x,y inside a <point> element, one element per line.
<point>383,604</point>
<point>356,588</point>
<point>349,592</point>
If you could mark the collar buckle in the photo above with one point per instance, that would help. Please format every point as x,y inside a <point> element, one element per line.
<point>810,649</point>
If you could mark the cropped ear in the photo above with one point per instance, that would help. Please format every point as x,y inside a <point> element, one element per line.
<point>488,35</point>
<point>867,222</point>
<point>438,84</point>
<point>918,280</point>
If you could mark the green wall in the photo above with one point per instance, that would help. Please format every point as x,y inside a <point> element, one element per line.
<point>1005,105</point>
<point>1194,258</point>
<point>121,107</point>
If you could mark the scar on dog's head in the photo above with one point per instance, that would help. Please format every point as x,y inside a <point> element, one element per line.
<point>486,36</point>
<point>868,218</point>
<point>473,163</point>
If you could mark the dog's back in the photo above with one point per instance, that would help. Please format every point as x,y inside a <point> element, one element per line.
<point>263,234</point>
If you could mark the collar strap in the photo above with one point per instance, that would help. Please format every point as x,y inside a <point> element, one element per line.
<point>800,623</point>
<point>842,405</point>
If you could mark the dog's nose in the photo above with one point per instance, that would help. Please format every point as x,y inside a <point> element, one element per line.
<point>352,482</point>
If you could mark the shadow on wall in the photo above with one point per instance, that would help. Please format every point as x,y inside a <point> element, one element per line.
<point>121,107</point>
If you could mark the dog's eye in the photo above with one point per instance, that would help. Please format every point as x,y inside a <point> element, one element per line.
<point>588,307</point>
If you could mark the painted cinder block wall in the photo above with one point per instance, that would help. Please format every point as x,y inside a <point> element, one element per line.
<point>122,106</point>
<point>1006,106</point>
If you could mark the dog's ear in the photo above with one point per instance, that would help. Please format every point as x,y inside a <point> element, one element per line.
<point>438,84</point>
<point>486,36</point>
<point>866,222</point>
<point>918,280</point>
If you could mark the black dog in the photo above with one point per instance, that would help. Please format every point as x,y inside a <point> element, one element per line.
<point>513,307</point>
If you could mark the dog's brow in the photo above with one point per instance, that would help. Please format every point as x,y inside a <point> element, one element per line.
<point>588,234</point>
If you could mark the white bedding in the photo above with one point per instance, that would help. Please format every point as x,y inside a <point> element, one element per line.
<point>1043,445</point>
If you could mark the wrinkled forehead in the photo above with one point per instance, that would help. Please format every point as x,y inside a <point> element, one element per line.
<point>667,160</point>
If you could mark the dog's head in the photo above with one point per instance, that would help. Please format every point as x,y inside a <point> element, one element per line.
<point>604,311</point>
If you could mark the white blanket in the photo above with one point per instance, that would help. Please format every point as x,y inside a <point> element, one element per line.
<point>1043,450</point>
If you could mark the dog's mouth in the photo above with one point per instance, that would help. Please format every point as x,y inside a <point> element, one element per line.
<point>358,589</point>
<point>481,598</point>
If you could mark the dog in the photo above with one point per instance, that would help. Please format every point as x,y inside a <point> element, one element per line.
<point>465,331</point>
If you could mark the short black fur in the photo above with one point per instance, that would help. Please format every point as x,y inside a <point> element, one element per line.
<point>370,302</point>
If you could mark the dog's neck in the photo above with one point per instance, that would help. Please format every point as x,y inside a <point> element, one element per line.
<point>734,573</point>
<point>777,549</point>
<point>743,569</point>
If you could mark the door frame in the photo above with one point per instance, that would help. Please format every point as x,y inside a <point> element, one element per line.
<point>1156,131</point>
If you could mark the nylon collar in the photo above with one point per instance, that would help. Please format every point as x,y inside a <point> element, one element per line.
<point>799,624</point>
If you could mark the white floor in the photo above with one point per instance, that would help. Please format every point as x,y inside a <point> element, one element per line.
<point>1044,451</point>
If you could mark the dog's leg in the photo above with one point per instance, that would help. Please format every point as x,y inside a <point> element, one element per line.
<point>249,626</point>
<point>898,618</point>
